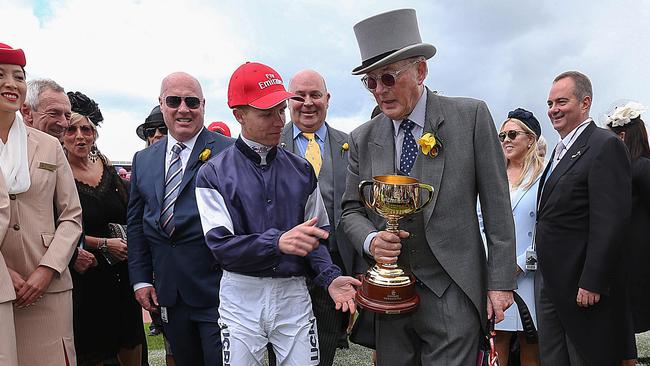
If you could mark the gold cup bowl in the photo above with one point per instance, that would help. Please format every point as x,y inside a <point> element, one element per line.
<point>387,288</point>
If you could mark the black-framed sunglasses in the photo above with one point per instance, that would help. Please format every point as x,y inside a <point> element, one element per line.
<point>512,134</point>
<point>151,131</point>
<point>174,101</point>
<point>85,130</point>
<point>388,78</point>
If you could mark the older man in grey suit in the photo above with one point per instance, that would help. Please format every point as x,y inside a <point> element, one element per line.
<point>326,148</point>
<point>458,288</point>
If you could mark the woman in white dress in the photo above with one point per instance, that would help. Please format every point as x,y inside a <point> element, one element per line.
<point>519,139</point>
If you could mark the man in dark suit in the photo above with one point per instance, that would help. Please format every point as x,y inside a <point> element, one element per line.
<point>584,202</point>
<point>308,117</point>
<point>164,229</point>
<point>458,288</point>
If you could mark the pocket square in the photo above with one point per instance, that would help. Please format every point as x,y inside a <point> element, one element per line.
<point>47,166</point>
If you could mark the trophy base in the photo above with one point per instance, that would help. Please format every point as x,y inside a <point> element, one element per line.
<point>387,299</point>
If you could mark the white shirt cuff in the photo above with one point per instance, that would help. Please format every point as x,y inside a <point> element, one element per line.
<point>140,285</point>
<point>366,243</point>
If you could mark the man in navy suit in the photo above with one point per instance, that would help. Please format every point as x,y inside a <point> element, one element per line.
<point>164,229</point>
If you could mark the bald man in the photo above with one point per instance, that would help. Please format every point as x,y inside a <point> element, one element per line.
<point>307,118</point>
<point>164,228</point>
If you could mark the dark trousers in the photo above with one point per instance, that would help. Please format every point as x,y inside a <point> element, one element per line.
<point>331,323</point>
<point>555,347</point>
<point>194,334</point>
<point>442,331</point>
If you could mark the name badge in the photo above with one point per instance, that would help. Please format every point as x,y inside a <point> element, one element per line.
<point>47,166</point>
<point>531,260</point>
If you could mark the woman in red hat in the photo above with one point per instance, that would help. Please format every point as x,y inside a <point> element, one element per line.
<point>44,226</point>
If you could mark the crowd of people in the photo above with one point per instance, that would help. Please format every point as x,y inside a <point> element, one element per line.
<point>252,248</point>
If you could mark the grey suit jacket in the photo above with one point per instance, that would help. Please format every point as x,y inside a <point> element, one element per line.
<point>338,166</point>
<point>470,163</point>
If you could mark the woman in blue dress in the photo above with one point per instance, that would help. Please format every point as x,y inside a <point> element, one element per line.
<point>519,136</point>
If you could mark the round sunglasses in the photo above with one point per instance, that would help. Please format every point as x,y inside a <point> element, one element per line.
<point>86,130</point>
<point>388,78</point>
<point>512,134</point>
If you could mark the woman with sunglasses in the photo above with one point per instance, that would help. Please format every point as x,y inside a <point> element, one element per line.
<point>519,140</point>
<point>36,251</point>
<point>108,320</point>
<point>625,120</point>
<point>153,129</point>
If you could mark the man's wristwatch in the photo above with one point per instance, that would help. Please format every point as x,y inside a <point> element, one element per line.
<point>103,245</point>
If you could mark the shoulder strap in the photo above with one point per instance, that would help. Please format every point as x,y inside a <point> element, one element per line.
<point>526,319</point>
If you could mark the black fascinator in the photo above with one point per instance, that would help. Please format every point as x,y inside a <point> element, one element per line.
<point>86,107</point>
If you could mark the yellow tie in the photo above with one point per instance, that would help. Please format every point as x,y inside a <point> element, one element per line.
<point>312,154</point>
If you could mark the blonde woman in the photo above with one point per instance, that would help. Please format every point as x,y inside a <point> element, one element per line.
<point>519,136</point>
<point>44,227</point>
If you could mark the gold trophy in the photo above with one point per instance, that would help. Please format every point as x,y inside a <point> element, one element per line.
<point>387,288</point>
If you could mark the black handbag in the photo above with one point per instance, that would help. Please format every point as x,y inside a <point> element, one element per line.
<point>114,231</point>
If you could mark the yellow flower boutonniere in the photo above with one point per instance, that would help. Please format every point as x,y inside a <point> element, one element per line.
<point>430,144</point>
<point>205,155</point>
<point>345,147</point>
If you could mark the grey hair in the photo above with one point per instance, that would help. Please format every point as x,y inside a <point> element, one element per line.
<point>36,87</point>
<point>582,83</point>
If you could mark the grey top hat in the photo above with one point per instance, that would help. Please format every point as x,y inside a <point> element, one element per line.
<point>389,37</point>
<point>155,118</point>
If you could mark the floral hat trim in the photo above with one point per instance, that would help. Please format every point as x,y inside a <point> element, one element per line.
<point>625,114</point>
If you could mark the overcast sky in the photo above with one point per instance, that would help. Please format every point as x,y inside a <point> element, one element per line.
<point>503,52</point>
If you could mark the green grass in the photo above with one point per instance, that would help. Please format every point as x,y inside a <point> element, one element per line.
<point>360,356</point>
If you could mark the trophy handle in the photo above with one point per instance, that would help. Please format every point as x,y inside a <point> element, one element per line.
<point>430,190</point>
<point>362,186</point>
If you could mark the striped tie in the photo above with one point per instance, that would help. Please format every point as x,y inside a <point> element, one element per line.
<point>172,182</point>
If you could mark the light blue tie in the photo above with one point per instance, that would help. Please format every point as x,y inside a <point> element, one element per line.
<point>409,147</point>
<point>172,183</point>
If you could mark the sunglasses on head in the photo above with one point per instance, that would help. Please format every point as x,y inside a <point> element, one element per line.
<point>388,78</point>
<point>173,101</point>
<point>151,131</point>
<point>512,134</point>
<point>85,130</point>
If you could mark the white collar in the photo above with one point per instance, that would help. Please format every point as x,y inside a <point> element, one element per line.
<point>171,141</point>
<point>417,115</point>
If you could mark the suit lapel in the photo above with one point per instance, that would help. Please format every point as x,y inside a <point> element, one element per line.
<point>382,148</point>
<point>205,140</point>
<point>429,169</point>
<point>159,156</point>
<point>521,192</point>
<point>576,151</point>
<point>32,146</point>
<point>286,139</point>
<point>339,166</point>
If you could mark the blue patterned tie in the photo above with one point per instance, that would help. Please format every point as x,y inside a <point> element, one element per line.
<point>172,183</point>
<point>409,147</point>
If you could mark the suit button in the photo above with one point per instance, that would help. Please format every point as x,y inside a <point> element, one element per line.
<point>12,196</point>
<point>530,234</point>
<point>16,227</point>
<point>268,201</point>
<point>412,236</point>
<point>532,214</point>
